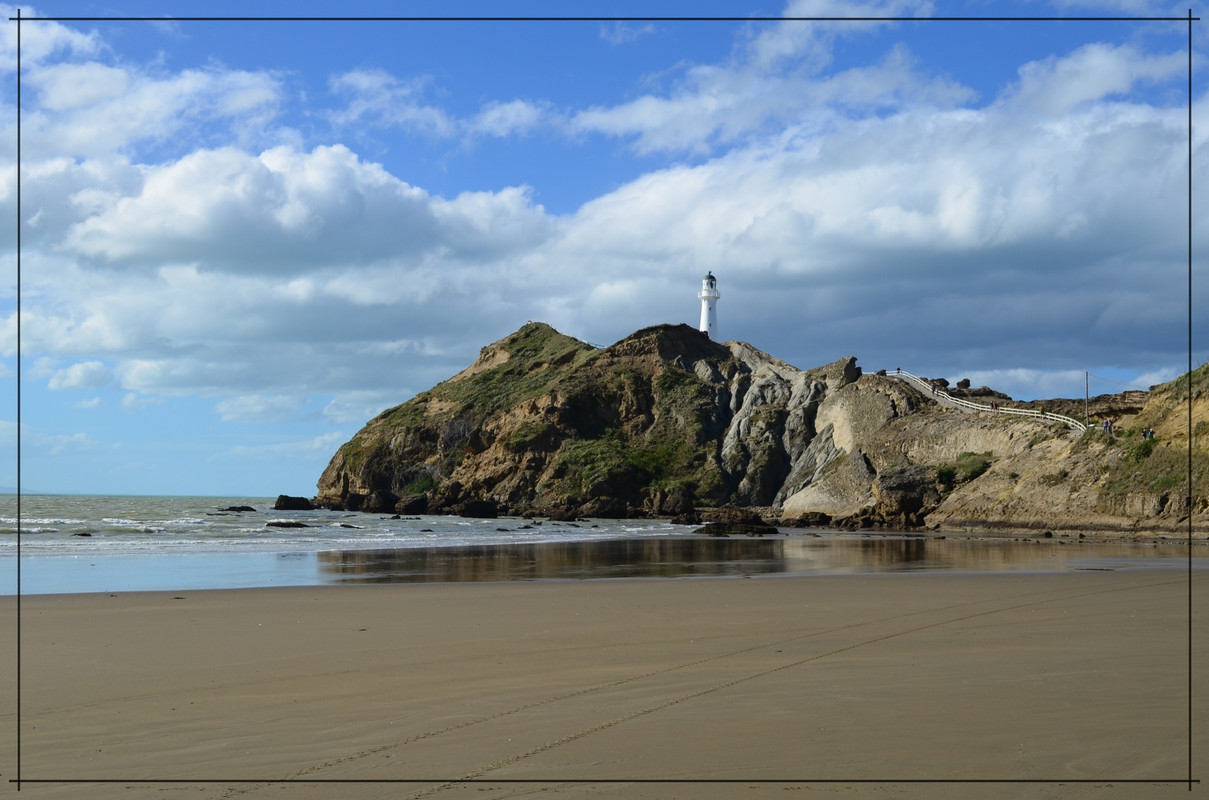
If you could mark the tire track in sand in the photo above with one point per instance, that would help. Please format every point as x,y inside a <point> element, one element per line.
<point>727,684</point>
<point>372,751</point>
<point>300,775</point>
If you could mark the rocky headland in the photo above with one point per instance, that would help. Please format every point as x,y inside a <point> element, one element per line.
<point>667,422</point>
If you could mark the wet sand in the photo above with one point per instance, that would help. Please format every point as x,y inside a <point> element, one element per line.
<point>856,686</point>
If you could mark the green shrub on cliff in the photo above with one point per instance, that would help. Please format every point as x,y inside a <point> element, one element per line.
<point>965,468</point>
<point>1139,449</point>
<point>587,467</point>
<point>608,460</point>
<point>530,435</point>
<point>1162,469</point>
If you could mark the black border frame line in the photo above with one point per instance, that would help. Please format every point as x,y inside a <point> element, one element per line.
<point>601,19</point>
<point>1190,779</point>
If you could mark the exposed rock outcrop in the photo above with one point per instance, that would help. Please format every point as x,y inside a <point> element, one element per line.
<point>667,422</point>
<point>659,422</point>
<point>287,503</point>
<point>729,521</point>
<point>904,494</point>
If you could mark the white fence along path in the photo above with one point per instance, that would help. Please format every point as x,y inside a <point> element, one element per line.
<point>965,405</point>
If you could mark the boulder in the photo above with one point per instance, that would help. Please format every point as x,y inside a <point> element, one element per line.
<point>287,503</point>
<point>448,496</point>
<point>562,514</point>
<point>478,509</point>
<point>668,504</point>
<point>737,529</point>
<point>606,508</point>
<point>412,504</point>
<point>692,517</point>
<point>811,519</point>
<point>729,521</point>
<point>905,494</point>
<point>729,515</point>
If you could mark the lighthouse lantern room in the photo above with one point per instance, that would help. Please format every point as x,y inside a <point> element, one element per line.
<point>709,298</point>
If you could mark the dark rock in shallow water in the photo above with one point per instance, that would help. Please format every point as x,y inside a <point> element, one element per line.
<point>286,525</point>
<point>731,515</point>
<point>563,514</point>
<point>287,503</point>
<point>239,508</point>
<point>811,519</point>
<point>735,529</point>
<point>480,509</point>
<point>728,521</point>
<point>670,504</point>
<point>412,504</point>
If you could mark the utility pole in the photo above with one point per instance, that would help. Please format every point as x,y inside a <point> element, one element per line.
<point>1087,415</point>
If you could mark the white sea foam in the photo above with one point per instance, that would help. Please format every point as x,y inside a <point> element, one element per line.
<point>26,521</point>
<point>76,525</point>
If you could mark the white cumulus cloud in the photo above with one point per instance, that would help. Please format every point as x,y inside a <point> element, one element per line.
<point>308,448</point>
<point>41,40</point>
<point>374,96</point>
<point>85,375</point>
<point>285,210</point>
<point>1057,85</point>
<point>258,408</point>
<point>92,110</point>
<point>508,119</point>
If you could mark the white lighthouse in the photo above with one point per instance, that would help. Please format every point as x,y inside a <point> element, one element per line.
<point>709,298</point>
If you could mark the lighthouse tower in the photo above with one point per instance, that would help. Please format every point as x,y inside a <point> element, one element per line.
<point>709,298</point>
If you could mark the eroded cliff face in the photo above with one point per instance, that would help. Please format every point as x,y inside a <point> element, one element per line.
<point>1119,482</point>
<point>657,423</point>
<point>666,420</point>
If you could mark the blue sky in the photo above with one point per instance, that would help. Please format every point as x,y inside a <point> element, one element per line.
<point>241,240</point>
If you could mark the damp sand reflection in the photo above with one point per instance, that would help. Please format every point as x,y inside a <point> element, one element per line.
<point>704,557</point>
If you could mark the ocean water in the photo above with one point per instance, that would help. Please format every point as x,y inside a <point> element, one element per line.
<point>75,543</point>
<point>79,543</point>
<point>75,524</point>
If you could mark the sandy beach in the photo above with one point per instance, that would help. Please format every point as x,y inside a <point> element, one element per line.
<point>704,688</point>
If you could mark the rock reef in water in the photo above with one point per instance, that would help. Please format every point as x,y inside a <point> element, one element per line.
<point>666,422</point>
<point>287,503</point>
